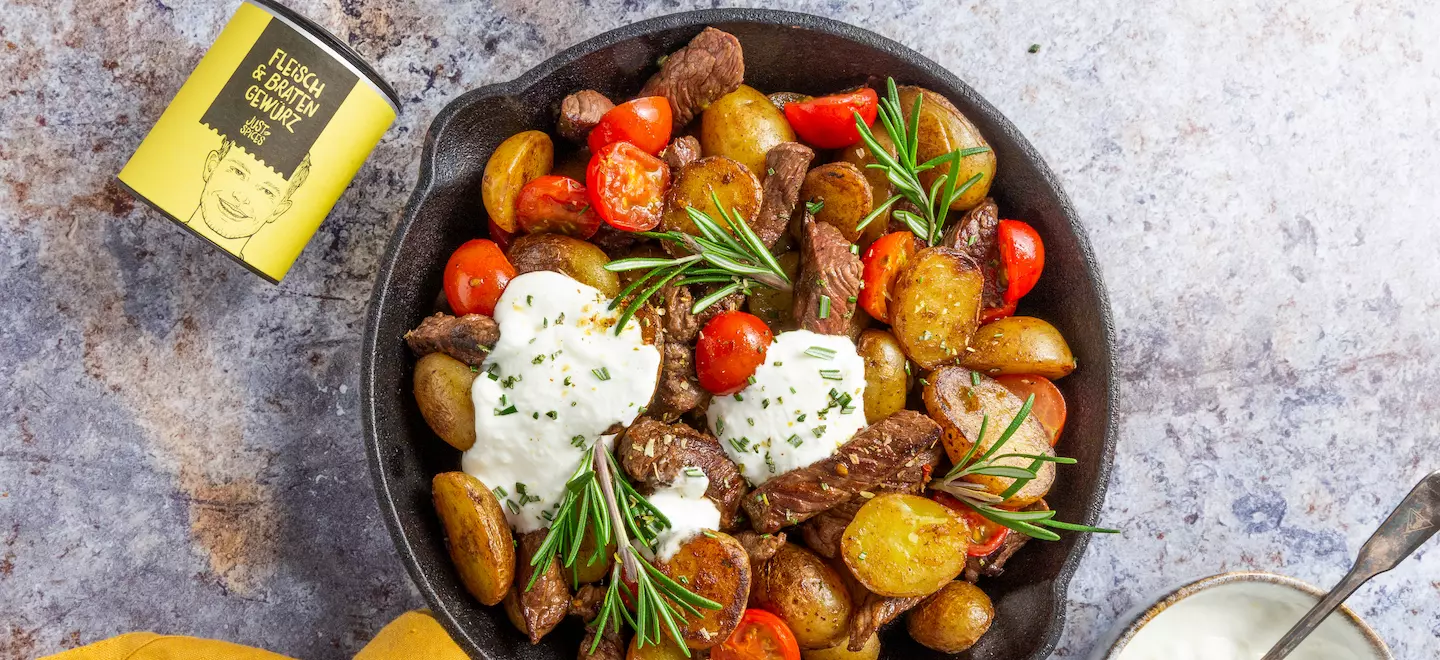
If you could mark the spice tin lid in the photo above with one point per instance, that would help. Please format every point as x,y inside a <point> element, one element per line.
<point>263,138</point>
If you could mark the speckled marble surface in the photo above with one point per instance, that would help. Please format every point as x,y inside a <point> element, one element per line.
<point>180,442</point>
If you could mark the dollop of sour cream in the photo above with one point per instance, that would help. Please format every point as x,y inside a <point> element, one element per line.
<point>555,381</point>
<point>689,511</point>
<point>806,400</point>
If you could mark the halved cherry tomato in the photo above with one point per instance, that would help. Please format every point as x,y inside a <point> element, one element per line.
<point>1049,406</point>
<point>1022,256</point>
<point>996,313</point>
<point>985,536</point>
<point>627,186</point>
<point>829,121</point>
<point>883,261</point>
<point>498,234</point>
<point>760,636</point>
<point>475,276</point>
<point>556,205</point>
<point>731,346</point>
<point>644,122</point>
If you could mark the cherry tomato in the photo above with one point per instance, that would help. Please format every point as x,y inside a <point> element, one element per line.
<point>1022,257</point>
<point>731,346</point>
<point>501,237</point>
<point>556,205</point>
<point>1049,406</point>
<point>829,121</point>
<point>883,261</point>
<point>644,122</point>
<point>996,313</point>
<point>985,536</point>
<point>627,186</point>
<point>760,636</point>
<point>475,276</point>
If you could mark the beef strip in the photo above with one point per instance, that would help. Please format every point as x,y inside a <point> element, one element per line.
<point>676,320</point>
<point>682,151</point>
<point>862,464</point>
<point>760,547</point>
<point>874,611</point>
<point>653,453</point>
<point>545,604</point>
<point>611,647</point>
<point>679,389</point>
<point>709,67</point>
<point>993,564</point>
<point>785,167</point>
<point>828,270</point>
<point>616,243</point>
<point>977,235</point>
<point>467,338</point>
<point>587,600</point>
<point>580,112</point>
<point>822,533</point>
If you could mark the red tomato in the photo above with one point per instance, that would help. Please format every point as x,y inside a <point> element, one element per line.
<point>1022,256</point>
<point>731,346</point>
<point>829,121</point>
<point>475,276</point>
<point>556,205</point>
<point>1049,406</point>
<point>996,313</point>
<point>985,536</point>
<point>644,122</point>
<point>627,186</point>
<point>760,636</point>
<point>498,234</point>
<point>883,261</point>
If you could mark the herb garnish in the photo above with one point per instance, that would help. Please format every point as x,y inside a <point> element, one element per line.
<point>603,373</point>
<point>820,352</point>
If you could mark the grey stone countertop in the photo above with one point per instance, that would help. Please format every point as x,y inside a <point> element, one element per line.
<point>180,447</point>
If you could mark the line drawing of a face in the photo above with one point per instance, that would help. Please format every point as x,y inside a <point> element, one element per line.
<point>241,195</point>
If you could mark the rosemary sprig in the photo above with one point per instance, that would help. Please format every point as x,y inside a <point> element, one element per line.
<point>732,255</point>
<point>904,172</point>
<point>1030,523</point>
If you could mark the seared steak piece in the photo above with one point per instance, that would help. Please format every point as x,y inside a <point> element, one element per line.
<point>612,645</point>
<point>587,600</point>
<point>861,465</point>
<point>653,453</point>
<point>977,235</point>
<point>679,390</point>
<point>993,564</point>
<point>822,533</point>
<point>613,241</point>
<point>677,321</point>
<point>760,547</point>
<point>709,67</point>
<point>828,272</point>
<point>545,604</point>
<point>468,338</point>
<point>873,611</point>
<point>785,167</point>
<point>681,151</point>
<point>580,112</point>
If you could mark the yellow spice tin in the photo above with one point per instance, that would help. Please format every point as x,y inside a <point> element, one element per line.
<point>262,139</point>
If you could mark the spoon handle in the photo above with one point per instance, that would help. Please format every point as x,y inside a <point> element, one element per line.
<point>1409,525</point>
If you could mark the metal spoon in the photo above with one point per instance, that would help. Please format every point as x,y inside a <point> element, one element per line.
<point>1409,525</point>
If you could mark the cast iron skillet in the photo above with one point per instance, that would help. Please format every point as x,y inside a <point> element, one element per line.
<point>783,52</point>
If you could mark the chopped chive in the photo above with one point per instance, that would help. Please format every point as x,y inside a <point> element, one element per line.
<point>493,372</point>
<point>552,414</point>
<point>815,206</point>
<point>801,418</point>
<point>499,492</point>
<point>738,397</point>
<point>538,359</point>
<point>831,374</point>
<point>694,472</point>
<point>603,373</point>
<point>819,430</point>
<point>975,378</point>
<point>794,440</point>
<point>751,420</point>
<point>750,379</point>
<point>854,249</point>
<point>824,306</point>
<point>863,555</point>
<point>764,403</point>
<point>569,381</point>
<point>535,415</point>
<point>529,300</point>
<point>578,441</point>
<point>850,300</point>
<point>511,505</point>
<point>507,411</point>
<point>820,352</point>
<point>740,444</point>
<point>824,486</point>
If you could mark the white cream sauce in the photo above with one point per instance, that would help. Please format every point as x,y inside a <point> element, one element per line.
<point>689,511</point>
<point>555,381</point>
<point>798,409</point>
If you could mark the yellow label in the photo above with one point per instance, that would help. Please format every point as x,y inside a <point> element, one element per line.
<point>260,142</point>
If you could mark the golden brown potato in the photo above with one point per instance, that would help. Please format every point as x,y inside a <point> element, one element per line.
<point>936,306</point>
<point>807,594</point>
<point>743,125</point>
<point>887,381</point>
<point>847,200</point>
<point>713,565</point>
<point>667,649</point>
<point>476,533</point>
<point>841,651</point>
<point>880,188</point>
<point>563,254</point>
<point>959,405</point>
<point>584,572</point>
<point>1020,345</point>
<point>773,306</point>
<point>944,129</point>
<point>953,619</point>
<point>780,99</point>
<point>520,158</point>
<point>903,545</point>
<point>726,179</point>
<point>442,391</point>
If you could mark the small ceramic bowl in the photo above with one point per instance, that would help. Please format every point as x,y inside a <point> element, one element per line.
<point>1254,605</point>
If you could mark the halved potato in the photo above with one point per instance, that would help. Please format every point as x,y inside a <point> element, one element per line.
<point>936,305</point>
<point>943,129</point>
<point>667,649</point>
<point>713,565</point>
<point>736,187</point>
<point>807,594</point>
<point>887,381</point>
<point>1020,345</point>
<point>477,535</point>
<point>904,546</point>
<point>579,259</point>
<point>846,201</point>
<point>743,125</point>
<point>959,405</point>
<point>953,619</point>
<point>442,391</point>
<point>519,159</point>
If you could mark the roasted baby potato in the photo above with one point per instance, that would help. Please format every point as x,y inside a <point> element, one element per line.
<point>713,565</point>
<point>667,649</point>
<point>841,651</point>
<point>773,306</point>
<point>953,619</point>
<point>737,189</point>
<point>880,189</point>
<point>563,254</point>
<point>1020,345</point>
<point>743,125</point>
<point>887,381</point>
<point>944,129</point>
<point>584,572</point>
<point>780,99</point>
<point>847,199</point>
<point>476,533</point>
<point>905,545</point>
<point>807,594</point>
<point>960,406</point>
<point>522,157</point>
<point>936,306</point>
<point>442,391</point>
